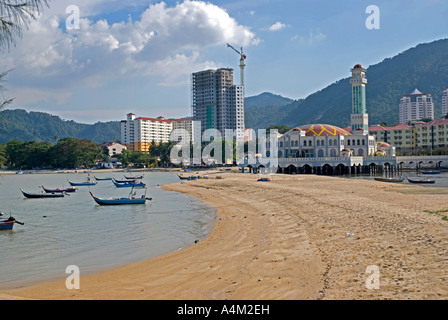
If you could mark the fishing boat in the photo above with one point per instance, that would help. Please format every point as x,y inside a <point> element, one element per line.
<point>42,195</point>
<point>8,224</point>
<point>59,190</point>
<point>423,181</point>
<point>89,182</point>
<point>395,180</point>
<point>182,177</point>
<point>124,181</point>
<point>132,184</point>
<point>134,178</point>
<point>131,199</point>
<point>188,178</point>
<point>264,179</point>
<point>102,179</point>
<point>430,172</point>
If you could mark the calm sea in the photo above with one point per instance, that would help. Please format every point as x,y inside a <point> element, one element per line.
<point>74,230</point>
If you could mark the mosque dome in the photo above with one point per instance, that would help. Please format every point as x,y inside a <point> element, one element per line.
<point>320,130</point>
<point>383,145</point>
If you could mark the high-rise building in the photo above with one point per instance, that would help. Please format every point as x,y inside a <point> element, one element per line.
<point>137,134</point>
<point>359,117</point>
<point>445,102</point>
<point>416,106</point>
<point>217,103</point>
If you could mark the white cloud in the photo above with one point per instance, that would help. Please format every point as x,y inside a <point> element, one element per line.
<point>277,26</point>
<point>166,42</point>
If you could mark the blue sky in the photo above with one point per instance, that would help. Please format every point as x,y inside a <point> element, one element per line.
<point>137,56</point>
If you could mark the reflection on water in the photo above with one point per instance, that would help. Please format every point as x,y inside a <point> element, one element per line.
<point>74,230</point>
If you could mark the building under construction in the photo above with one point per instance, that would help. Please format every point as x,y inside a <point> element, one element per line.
<point>217,103</point>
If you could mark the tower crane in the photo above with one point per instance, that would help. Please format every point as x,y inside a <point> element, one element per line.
<point>242,64</point>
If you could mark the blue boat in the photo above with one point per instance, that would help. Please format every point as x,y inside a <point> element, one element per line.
<point>131,199</point>
<point>430,172</point>
<point>8,224</point>
<point>131,184</point>
<point>89,182</point>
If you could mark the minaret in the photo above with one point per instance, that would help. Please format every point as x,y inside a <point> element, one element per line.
<point>359,117</point>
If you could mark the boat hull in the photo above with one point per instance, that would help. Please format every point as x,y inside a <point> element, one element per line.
<point>421,181</point>
<point>42,195</point>
<point>73,189</point>
<point>6,225</point>
<point>118,201</point>
<point>81,184</point>
<point>129,185</point>
<point>389,180</point>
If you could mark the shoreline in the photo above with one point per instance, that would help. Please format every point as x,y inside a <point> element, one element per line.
<point>287,239</point>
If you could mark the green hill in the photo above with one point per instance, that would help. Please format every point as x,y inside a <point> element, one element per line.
<point>424,67</point>
<point>39,126</point>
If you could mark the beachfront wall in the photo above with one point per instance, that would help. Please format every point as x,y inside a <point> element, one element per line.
<point>346,165</point>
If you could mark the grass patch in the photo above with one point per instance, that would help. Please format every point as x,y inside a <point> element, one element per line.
<point>438,213</point>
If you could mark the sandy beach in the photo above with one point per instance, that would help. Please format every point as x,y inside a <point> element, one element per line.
<point>289,239</point>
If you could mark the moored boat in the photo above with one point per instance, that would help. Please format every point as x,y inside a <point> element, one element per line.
<point>134,178</point>
<point>102,179</point>
<point>89,182</point>
<point>8,224</point>
<point>132,184</point>
<point>264,179</point>
<point>395,180</point>
<point>42,195</point>
<point>59,190</point>
<point>430,172</point>
<point>131,199</point>
<point>422,181</point>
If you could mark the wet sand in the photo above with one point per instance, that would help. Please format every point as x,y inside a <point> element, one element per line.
<point>288,239</point>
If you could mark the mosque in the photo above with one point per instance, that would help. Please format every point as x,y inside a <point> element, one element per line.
<point>322,140</point>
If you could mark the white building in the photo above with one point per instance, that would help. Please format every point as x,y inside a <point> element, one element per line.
<point>445,102</point>
<point>114,148</point>
<point>217,103</point>
<point>137,134</point>
<point>323,140</point>
<point>416,106</point>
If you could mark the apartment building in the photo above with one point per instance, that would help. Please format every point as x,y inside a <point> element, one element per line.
<point>137,134</point>
<point>416,106</point>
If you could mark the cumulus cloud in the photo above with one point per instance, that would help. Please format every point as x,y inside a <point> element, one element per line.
<point>277,26</point>
<point>166,42</point>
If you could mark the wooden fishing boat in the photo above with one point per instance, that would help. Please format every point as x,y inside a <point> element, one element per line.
<point>88,182</point>
<point>394,180</point>
<point>103,179</point>
<point>131,199</point>
<point>132,184</point>
<point>8,224</point>
<point>134,178</point>
<point>124,181</point>
<point>42,195</point>
<point>430,172</point>
<point>423,181</point>
<point>59,190</point>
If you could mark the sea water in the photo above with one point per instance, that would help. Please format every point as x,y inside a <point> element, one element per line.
<point>74,230</point>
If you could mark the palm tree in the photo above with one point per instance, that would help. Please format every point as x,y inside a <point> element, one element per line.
<point>14,16</point>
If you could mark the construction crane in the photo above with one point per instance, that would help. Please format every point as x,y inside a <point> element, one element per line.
<point>242,65</point>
